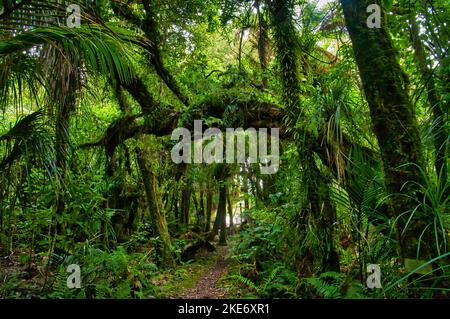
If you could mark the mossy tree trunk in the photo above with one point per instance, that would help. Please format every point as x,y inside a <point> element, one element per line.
<point>262,44</point>
<point>220,221</point>
<point>223,213</point>
<point>245,187</point>
<point>393,120</point>
<point>186,203</point>
<point>323,214</point>
<point>196,206</point>
<point>65,82</point>
<point>287,48</point>
<point>440,134</point>
<point>230,207</point>
<point>154,203</point>
<point>255,186</point>
<point>176,212</point>
<point>209,203</point>
<point>202,208</point>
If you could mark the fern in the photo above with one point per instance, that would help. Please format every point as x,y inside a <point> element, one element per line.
<point>327,284</point>
<point>323,288</point>
<point>262,289</point>
<point>60,290</point>
<point>245,281</point>
<point>270,278</point>
<point>102,291</point>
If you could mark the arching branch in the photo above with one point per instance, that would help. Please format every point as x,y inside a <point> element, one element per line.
<point>164,120</point>
<point>149,26</point>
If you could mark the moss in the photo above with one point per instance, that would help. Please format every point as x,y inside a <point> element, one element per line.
<point>185,276</point>
<point>393,120</point>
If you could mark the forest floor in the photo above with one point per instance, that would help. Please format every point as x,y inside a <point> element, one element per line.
<point>205,276</point>
<point>208,287</point>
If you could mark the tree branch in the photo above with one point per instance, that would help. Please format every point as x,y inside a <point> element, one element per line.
<point>149,26</point>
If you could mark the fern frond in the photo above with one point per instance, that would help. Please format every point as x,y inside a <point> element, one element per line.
<point>244,281</point>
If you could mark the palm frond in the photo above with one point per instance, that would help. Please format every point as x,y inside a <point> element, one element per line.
<point>101,49</point>
<point>23,127</point>
<point>27,14</point>
<point>32,139</point>
<point>21,79</point>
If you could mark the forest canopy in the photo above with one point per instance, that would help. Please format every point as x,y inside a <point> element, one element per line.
<point>224,149</point>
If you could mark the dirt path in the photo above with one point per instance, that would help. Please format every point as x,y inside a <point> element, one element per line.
<point>206,287</point>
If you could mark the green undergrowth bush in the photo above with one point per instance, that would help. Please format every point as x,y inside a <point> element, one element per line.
<point>263,266</point>
<point>258,263</point>
<point>115,274</point>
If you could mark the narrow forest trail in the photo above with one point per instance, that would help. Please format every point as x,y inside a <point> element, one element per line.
<point>207,287</point>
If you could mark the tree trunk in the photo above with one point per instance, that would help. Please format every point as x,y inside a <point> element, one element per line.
<point>223,214</point>
<point>322,210</point>
<point>61,144</point>
<point>150,28</point>
<point>287,48</point>
<point>217,220</point>
<point>393,120</point>
<point>255,186</point>
<point>176,212</point>
<point>65,83</point>
<point>268,187</point>
<point>438,128</point>
<point>186,204</point>
<point>159,222</point>
<point>209,198</point>
<point>262,44</point>
<point>324,214</point>
<point>241,38</point>
<point>245,190</point>
<point>202,208</point>
<point>230,209</point>
<point>196,206</point>
<point>220,221</point>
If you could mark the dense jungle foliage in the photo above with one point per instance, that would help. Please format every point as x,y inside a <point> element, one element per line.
<point>91,91</point>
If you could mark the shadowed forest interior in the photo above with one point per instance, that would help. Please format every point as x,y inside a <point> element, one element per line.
<point>353,93</point>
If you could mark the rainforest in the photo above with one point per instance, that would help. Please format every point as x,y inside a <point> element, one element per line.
<point>330,180</point>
